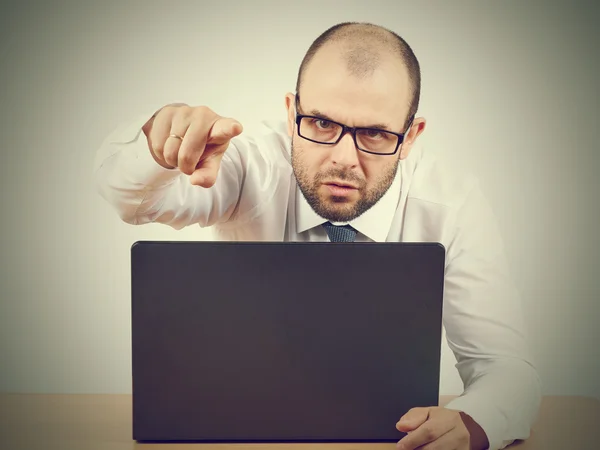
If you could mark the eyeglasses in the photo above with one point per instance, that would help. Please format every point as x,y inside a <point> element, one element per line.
<point>369,140</point>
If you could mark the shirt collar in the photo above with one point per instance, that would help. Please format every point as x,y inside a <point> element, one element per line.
<point>374,223</point>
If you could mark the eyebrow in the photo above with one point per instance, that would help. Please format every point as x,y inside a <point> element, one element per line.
<point>379,126</point>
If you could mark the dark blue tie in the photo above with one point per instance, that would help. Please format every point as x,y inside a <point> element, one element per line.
<point>338,233</point>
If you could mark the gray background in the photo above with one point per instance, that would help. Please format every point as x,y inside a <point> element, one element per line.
<point>510,91</point>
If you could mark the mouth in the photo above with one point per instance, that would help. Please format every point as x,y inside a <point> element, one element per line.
<point>340,184</point>
<point>340,189</point>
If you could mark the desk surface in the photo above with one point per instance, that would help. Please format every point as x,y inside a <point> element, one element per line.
<point>103,422</point>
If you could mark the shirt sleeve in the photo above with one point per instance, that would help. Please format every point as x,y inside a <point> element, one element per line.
<point>485,329</point>
<point>141,191</point>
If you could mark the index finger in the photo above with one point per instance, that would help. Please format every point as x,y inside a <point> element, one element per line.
<point>223,130</point>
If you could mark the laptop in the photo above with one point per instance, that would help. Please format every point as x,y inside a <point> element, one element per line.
<point>283,342</point>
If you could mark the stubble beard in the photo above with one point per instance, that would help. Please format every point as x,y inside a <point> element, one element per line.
<point>335,208</point>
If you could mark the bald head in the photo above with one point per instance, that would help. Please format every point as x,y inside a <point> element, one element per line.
<point>363,47</point>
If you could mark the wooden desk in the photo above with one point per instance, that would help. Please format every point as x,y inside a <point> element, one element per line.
<point>103,422</point>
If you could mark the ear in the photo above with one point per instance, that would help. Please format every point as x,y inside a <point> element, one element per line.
<point>417,127</point>
<point>290,102</point>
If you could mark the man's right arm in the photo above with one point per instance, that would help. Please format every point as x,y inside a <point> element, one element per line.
<point>148,176</point>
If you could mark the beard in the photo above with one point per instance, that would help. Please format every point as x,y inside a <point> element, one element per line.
<point>337,208</point>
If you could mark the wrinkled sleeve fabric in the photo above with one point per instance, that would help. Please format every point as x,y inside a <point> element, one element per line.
<point>141,191</point>
<point>485,328</point>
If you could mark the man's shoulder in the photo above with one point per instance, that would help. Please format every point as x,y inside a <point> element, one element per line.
<point>437,179</point>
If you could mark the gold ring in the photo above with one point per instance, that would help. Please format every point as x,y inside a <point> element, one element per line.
<point>176,136</point>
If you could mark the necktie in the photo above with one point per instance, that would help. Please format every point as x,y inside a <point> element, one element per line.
<point>338,233</point>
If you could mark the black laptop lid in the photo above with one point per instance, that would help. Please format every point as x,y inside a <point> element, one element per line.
<point>283,341</point>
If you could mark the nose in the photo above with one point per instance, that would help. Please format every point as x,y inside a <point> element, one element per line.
<point>345,153</point>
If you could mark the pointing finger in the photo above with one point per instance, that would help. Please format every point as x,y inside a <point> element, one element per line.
<point>223,130</point>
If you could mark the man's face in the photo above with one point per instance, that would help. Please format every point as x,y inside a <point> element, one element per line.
<point>340,193</point>
<point>339,181</point>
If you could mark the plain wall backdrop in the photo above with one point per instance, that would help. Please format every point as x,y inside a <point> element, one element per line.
<point>509,89</point>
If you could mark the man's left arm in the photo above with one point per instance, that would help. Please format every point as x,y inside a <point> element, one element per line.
<point>485,329</point>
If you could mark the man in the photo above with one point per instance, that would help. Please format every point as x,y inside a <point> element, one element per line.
<point>345,167</point>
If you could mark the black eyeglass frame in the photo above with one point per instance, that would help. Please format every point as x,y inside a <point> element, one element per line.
<point>352,131</point>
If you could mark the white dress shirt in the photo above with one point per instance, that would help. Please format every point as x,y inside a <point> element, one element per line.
<point>256,198</point>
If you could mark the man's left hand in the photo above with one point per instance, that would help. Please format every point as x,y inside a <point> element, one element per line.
<point>433,428</point>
